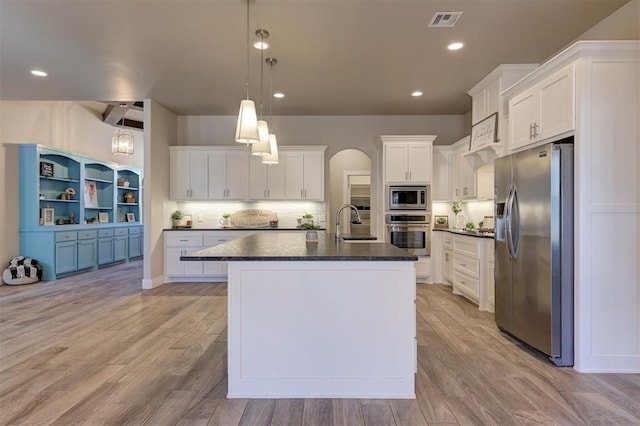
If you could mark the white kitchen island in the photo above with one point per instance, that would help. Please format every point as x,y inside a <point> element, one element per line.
<point>318,320</point>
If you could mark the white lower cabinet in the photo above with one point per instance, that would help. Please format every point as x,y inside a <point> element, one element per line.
<point>423,269</point>
<point>467,265</point>
<point>178,243</point>
<point>491,281</point>
<point>447,258</point>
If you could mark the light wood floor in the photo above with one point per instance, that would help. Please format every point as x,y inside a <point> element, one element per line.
<point>95,349</point>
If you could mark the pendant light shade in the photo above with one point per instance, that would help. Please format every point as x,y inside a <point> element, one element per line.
<point>273,157</point>
<point>247,126</point>
<point>262,147</point>
<point>122,140</point>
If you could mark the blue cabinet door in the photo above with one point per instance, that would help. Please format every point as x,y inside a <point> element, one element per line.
<point>87,253</point>
<point>105,251</point>
<point>120,248</point>
<point>135,245</point>
<point>66,257</point>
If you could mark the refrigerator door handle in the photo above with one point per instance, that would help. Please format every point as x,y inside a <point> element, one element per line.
<point>508,222</point>
<point>514,222</point>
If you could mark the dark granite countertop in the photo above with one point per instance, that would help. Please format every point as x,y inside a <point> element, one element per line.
<point>358,237</point>
<point>467,233</point>
<point>284,246</point>
<point>238,228</point>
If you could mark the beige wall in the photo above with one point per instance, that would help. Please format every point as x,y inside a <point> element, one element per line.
<point>160,132</point>
<point>71,126</point>
<point>337,132</point>
<point>623,24</point>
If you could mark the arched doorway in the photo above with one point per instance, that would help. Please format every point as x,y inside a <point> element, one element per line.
<point>350,182</point>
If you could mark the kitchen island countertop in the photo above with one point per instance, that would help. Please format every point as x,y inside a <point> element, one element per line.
<point>286,246</point>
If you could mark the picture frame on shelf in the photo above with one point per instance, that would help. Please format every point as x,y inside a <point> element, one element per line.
<point>46,169</point>
<point>441,222</point>
<point>484,132</point>
<point>48,216</point>
<point>90,194</point>
<point>103,217</point>
<point>131,217</point>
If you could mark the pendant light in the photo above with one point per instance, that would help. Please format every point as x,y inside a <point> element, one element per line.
<point>122,140</point>
<point>262,147</point>
<point>247,125</point>
<point>271,158</point>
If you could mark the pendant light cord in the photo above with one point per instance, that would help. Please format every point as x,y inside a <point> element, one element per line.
<point>271,60</point>
<point>261,69</point>
<point>248,48</point>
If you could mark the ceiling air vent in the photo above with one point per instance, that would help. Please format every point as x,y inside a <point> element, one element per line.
<point>445,19</point>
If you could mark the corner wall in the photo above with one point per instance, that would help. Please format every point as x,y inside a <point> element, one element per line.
<point>160,132</point>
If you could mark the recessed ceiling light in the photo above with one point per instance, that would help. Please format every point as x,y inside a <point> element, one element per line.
<point>261,45</point>
<point>39,73</point>
<point>417,93</point>
<point>278,95</point>
<point>455,46</point>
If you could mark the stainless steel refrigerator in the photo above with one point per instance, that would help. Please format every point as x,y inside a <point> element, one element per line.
<point>534,248</point>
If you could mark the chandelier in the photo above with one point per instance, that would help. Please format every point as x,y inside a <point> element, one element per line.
<point>122,140</point>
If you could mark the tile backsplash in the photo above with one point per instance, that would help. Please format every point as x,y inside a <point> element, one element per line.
<point>472,211</point>
<point>206,214</point>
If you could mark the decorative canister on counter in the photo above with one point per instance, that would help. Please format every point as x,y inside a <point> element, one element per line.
<point>312,236</point>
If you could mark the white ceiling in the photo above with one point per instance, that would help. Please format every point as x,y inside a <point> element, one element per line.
<point>335,57</point>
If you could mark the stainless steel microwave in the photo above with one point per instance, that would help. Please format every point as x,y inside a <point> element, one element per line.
<point>409,197</point>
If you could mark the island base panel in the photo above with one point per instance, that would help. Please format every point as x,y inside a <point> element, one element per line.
<point>321,329</point>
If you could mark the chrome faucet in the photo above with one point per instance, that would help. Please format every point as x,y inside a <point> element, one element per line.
<point>358,218</point>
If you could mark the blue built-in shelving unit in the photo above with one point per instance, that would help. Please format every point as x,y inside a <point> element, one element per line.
<point>76,212</point>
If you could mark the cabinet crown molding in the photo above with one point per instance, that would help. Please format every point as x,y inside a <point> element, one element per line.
<point>580,49</point>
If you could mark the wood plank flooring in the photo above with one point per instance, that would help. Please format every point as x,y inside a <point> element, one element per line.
<point>94,349</point>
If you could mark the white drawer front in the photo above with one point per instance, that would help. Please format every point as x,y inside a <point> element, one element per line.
<point>466,284</point>
<point>447,242</point>
<point>182,239</point>
<point>467,245</point>
<point>467,265</point>
<point>214,240</point>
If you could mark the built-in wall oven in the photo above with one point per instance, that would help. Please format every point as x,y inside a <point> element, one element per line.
<point>410,231</point>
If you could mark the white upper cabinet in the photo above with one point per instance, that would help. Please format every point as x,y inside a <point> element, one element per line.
<point>189,174</point>
<point>205,173</point>
<point>442,185</point>
<point>486,99</point>
<point>543,111</point>
<point>227,175</point>
<point>304,174</point>
<point>407,159</point>
<point>467,183</point>
<point>266,182</point>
